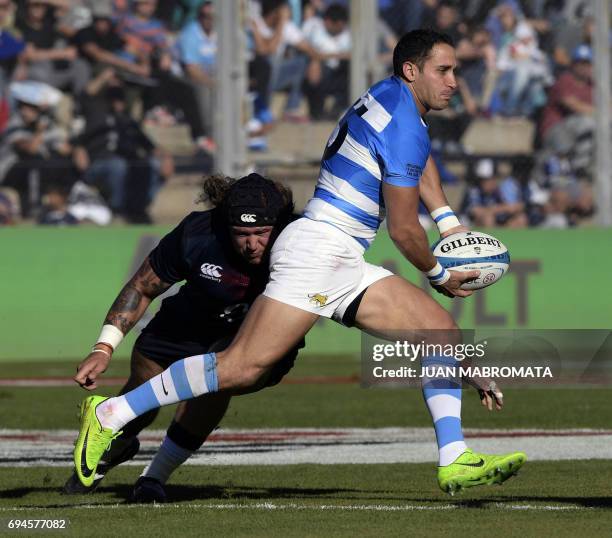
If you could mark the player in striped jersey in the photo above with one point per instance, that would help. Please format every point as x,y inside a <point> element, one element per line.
<point>376,163</point>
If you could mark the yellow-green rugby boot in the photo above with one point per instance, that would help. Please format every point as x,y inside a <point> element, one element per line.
<point>92,442</point>
<point>474,469</point>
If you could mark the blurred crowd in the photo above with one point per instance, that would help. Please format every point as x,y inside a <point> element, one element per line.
<point>81,79</point>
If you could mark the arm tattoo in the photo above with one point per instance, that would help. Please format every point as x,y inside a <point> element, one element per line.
<point>135,297</point>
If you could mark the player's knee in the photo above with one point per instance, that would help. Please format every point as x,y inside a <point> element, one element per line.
<point>238,372</point>
<point>443,329</point>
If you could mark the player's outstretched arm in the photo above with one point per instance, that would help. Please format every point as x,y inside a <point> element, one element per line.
<point>126,310</point>
<point>410,238</point>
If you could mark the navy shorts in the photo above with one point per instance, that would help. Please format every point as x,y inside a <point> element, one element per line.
<point>164,350</point>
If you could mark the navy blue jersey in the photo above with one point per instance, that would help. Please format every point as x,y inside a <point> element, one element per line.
<point>219,287</point>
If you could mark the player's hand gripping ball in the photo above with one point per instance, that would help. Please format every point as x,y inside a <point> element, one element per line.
<point>466,251</point>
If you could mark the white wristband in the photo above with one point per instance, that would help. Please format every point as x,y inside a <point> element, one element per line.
<point>438,275</point>
<point>445,218</point>
<point>110,335</point>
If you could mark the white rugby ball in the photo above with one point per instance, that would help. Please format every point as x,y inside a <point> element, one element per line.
<point>467,251</point>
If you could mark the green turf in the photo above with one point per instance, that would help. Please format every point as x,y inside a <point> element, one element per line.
<point>315,404</point>
<point>585,501</point>
<point>342,365</point>
<point>579,488</point>
<point>334,406</point>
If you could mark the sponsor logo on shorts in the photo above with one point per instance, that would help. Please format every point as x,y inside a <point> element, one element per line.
<point>211,271</point>
<point>247,217</point>
<point>318,299</point>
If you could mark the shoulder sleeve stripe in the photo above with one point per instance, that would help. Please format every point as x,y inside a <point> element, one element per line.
<point>376,116</point>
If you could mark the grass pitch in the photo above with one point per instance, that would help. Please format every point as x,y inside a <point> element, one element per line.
<point>548,498</point>
<point>323,500</point>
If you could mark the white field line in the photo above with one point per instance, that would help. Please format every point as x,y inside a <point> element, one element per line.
<point>24,448</point>
<point>270,507</point>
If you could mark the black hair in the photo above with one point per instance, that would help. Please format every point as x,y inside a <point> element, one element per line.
<point>415,47</point>
<point>336,13</point>
<point>268,6</point>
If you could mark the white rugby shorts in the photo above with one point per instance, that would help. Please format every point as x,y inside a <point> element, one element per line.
<point>316,267</point>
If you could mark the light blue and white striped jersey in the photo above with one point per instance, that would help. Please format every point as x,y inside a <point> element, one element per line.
<point>381,138</point>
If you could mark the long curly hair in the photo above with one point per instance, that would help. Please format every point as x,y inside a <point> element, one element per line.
<point>216,186</point>
<point>214,189</point>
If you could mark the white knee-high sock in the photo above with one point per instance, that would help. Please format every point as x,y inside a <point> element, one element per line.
<point>442,395</point>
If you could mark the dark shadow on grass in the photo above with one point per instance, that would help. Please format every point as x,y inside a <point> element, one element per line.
<point>182,493</point>
<point>122,493</point>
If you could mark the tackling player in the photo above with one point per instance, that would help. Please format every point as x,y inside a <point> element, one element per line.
<point>222,254</point>
<point>377,161</point>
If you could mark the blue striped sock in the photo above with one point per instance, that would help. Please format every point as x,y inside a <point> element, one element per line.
<point>442,393</point>
<point>185,379</point>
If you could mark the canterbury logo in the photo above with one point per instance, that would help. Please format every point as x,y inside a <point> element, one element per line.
<point>247,217</point>
<point>211,271</point>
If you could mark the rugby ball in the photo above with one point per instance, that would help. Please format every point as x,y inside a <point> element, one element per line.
<point>466,251</point>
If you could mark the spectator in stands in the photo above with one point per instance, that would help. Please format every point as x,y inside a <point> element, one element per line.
<point>144,35</point>
<point>401,16</point>
<point>567,120</point>
<point>8,207</point>
<point>446,128</point>
<point>11,44</point>
<point>446,21</point>
<point>147,40</point>
<point>523,67</point>
<point>328,72</point>
<point>570,33</point>
<point>563,186</point>
<point>277,37</point>
<point>477,65</point>
<point>176,14</point>
<point>48,57</point>
<point>74,15</point>
<point>115,155</point>
<point>490,203</point>
<point>55,210</point>
<point>33,143</point>
<point>11,47</point>
<point>197,48</point>
<point>100,44</point>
